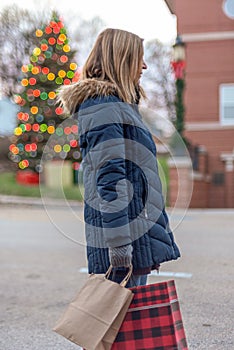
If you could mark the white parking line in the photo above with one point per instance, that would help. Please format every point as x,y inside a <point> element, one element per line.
<point>155,273</point>
<point>171,274</point>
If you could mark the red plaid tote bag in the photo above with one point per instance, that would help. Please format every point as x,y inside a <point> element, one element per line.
<point>153,320</point>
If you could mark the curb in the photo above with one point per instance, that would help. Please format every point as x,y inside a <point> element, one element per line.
<point>38,202</point>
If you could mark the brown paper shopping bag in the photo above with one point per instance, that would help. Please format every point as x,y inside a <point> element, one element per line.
<point>92,320</point>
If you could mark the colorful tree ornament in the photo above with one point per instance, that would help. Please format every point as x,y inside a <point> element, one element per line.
<point>40,117</point>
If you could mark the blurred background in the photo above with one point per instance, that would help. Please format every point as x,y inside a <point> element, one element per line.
<point>43,46</point>
<point>189,84</point>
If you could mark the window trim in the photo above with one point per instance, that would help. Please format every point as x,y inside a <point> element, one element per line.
<point>224,121</point>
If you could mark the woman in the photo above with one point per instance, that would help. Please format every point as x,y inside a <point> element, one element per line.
<point>125,218</point>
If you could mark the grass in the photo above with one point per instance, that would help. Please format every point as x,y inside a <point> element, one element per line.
<point>9,186</point>
<point>164,175</point>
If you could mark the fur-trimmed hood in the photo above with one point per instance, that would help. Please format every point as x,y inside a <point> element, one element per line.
<point>71,96</point>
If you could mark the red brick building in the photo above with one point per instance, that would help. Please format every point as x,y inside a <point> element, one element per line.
<point>207,28</point>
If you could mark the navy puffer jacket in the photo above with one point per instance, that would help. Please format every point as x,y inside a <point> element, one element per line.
<point>122,189</point>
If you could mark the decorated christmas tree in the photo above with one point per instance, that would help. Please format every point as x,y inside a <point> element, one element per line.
<point>39,116</point>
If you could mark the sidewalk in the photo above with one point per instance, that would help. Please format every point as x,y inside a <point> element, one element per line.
<point>38,202</point>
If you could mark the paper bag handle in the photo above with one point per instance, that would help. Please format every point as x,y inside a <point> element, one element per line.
<point>126,278</point>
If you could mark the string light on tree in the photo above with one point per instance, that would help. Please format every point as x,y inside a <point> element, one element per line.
<point>39,117</point>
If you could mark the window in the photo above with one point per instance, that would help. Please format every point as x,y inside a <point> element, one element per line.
<point>226,93</point>
<point>228,7</point>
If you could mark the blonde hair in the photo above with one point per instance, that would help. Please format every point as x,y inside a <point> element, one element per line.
<point>117,57</point>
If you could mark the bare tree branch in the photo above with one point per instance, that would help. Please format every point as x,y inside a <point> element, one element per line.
<point>158,81</point>
<point>17,27</point>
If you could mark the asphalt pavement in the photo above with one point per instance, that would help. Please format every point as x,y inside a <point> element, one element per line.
<point>43,265</point>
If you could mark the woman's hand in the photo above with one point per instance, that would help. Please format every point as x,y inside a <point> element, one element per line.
<point>121,256</point>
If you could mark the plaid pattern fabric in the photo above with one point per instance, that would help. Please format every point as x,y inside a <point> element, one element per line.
<point>153,321</point>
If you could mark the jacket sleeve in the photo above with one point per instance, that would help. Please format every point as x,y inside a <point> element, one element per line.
<point>107,156</point>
